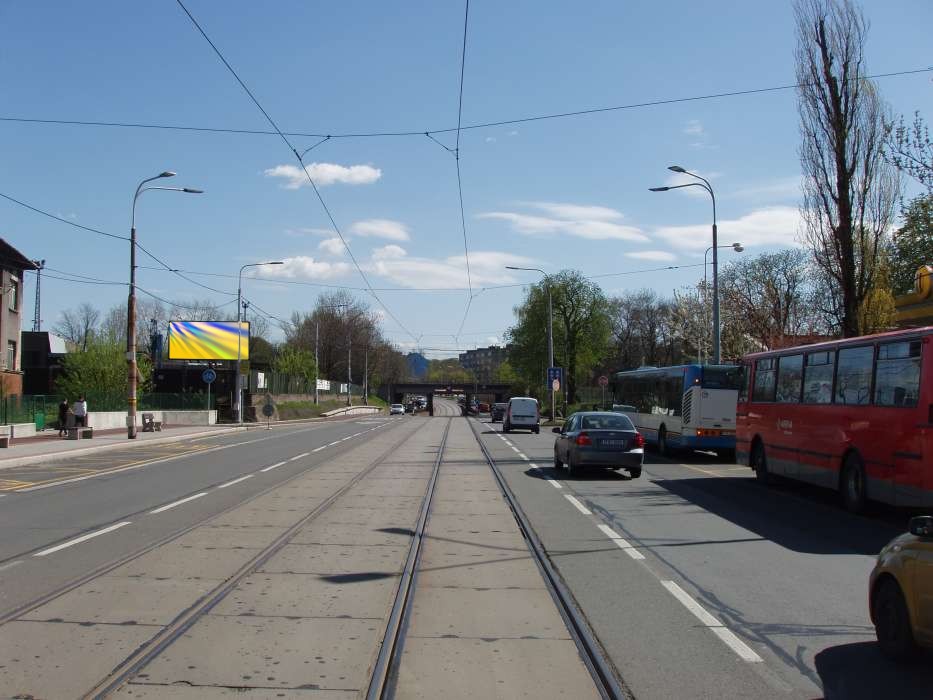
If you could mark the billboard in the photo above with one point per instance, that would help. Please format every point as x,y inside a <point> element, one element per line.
<point>207,340</point>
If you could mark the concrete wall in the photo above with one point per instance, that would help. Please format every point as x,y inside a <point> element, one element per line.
<point>104,420</point>
<point>352,411</point>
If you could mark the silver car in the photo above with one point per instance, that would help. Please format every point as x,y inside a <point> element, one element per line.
<point>599,439</point>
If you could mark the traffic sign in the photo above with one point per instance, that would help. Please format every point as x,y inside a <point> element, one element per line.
<point>555,373</point>
<point>604,380</point>
<point>208,376</point>
<point>268,409</point>
<point>555,385</point>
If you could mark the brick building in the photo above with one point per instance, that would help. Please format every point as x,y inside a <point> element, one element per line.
<point>12,266</point>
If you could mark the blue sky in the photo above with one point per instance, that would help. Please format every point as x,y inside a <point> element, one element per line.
<point>552,194</point>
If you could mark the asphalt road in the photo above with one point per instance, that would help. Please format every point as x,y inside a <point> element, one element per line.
<point>699,582</point>
<point>61,531</point>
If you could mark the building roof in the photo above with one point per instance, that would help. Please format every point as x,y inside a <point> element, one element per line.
<point>12,258</point>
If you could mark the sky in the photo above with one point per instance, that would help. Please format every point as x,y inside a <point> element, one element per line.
<point>558,193</point>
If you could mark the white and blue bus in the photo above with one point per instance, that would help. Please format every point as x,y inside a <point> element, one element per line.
<point>689,406</point>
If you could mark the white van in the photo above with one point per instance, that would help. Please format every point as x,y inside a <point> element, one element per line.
<point>522,412</point>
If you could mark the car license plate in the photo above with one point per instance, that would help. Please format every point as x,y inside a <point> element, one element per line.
<point>612,444</point>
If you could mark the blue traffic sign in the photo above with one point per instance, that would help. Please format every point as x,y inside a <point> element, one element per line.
<point>208,376</point>
<point>555,373</point>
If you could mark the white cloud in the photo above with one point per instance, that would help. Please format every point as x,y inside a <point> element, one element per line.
<point>694,128</point>
<point>770,226</point>
<point>490,139</point>
<point>389,252</point>
<point>299,232</point>
<point>325,174</point>
<point>658,255</point>
<point>486,268</point>
<point>493,340</point>
<point>513,132</point>
<point>334,246</point>
<point>582,221</point>
<point>305,267</point>
<point>783,188</point>
<point>380,228</point>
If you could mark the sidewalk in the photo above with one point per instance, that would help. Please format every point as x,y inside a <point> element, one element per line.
<point>48,447</point>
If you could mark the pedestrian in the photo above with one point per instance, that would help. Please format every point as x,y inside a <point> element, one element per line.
<point>62,417</point>
<point>80,411</point>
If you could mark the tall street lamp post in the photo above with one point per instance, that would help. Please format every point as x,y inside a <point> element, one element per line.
<point>550,328</point>
<point>132,369</point>
<point>239,335</point>
<point>709,188</point>
<point>737,247</point>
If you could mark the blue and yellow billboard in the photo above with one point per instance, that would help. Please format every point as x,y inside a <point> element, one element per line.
<point>207,340</point>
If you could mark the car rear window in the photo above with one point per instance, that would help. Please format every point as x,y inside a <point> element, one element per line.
<point>607,422</point>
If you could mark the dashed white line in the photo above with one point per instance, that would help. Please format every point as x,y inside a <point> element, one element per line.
<point>82,538</point>
<point>576,504</point>
<point>524,456</point>
<point>331,444</point>
<point>236,481</point>
<point>515,448</point>
<point>11,564</point>
<point>297,457</point>
<point>621,542</point>
<point>162,509</point>
<point>318,449</point>
<point>552,482</point>
<point>273,466</point>
<point>724,633</point>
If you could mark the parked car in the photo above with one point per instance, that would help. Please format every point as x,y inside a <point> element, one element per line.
<point>396,409</point>
<point>901,591</point>
<point>599,439</point>
<point>497,412</point>
<point>521,412</point>
<point>623,408</point>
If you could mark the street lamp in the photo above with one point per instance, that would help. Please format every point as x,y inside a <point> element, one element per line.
<point>132,369</point>
<point>737,247</point>
<point>550,327</point>
<point>239,335</point>
<point>709,188</point>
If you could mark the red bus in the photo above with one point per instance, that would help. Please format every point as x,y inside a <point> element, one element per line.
<point>855,415</point>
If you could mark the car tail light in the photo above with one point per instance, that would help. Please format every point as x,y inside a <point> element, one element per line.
<point>639,440</point>
<point>583,439</point>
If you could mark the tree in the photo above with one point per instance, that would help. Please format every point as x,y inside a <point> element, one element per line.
<point>296,363</point>
<point>581,329</point>
<point>849,188</point>
<point>448,371</point>
<point>100,370</point>
<point>640,328</point>
<point>910,150</point>
<point>78,325</point>
<point>913,244</point>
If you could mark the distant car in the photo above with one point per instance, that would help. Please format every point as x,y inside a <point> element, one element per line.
<point>599,439</point>
<point>396,409</point>
<point>483,407</point>
<point>521,412</point>
<point>901,591</point>
<point>623,408</point>
<point>498,411</point>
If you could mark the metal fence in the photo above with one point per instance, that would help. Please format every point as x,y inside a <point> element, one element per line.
<point>285,384</point>
<point>43,409</point>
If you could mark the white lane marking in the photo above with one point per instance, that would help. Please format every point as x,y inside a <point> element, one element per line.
<point>297,457</point>
<point>82,538</point>
<point>576,504</point>
<point>236,481</point>
<point>515,448</point>
<point>552,482</point>
<point>318,449</point>
<point>11,564</point>
<point>524,457</point>
<point>273,466</point>
<point>162,509</point>
<point>622,543</point>
<point>719,629</point>
<point>331,444</point>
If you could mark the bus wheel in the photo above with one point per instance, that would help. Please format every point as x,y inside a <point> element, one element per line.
<point>759,463</point>
<point>852,484</point>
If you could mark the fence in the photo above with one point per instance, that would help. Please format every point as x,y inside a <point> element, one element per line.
<point>43,409</point>
<point>284,384</point>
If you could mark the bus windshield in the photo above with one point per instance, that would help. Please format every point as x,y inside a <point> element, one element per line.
<point>722,377</point>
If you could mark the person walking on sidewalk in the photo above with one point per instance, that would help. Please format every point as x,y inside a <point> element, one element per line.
<point>62,417</point>
<point>80,411</point>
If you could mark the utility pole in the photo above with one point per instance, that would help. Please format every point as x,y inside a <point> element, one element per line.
<point>349,358</point>
<point>317,326</point>
<point>366,377</point>
<point>37,316</point>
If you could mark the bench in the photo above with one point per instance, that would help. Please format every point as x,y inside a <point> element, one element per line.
<point>76,432</point>
<point>150,424</point>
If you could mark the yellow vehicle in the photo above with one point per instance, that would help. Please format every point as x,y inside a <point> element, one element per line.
<point>901,591</point>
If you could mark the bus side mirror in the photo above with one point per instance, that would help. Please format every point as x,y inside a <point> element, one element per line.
<point>921,526</point>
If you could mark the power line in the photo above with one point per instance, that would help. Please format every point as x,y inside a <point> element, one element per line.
<point>64,221</point>
<point>300,162</point>
<point>422,132</point>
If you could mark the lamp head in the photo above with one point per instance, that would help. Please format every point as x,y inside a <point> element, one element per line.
<point>274,262</point>
<point>676,169</point>
<point>167,173</point>
<point>658,189</point>
<point>737,247</point>
<point>191,190</point>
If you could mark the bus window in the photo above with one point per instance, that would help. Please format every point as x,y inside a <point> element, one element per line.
<point>818,377</point>
<point>790,376</point>
<point>853,375</point>
<point>897,375</point>
<point>743,384</point>
<point>722,377</point>
<point>764,380</point>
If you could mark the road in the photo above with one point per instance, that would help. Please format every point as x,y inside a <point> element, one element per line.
<point>783,572</point>
<point>446,407</point>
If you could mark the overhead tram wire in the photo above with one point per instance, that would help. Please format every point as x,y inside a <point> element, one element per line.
<point>466,127</point>
<point>300,162</point>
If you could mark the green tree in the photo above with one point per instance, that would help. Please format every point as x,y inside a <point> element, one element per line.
<point>448,370</point>
<point>296,363</point>
<point>913,244</point>
<point>582,330</point>
<point>100,370</point>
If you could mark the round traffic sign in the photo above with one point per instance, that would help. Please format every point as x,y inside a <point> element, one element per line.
<point>555,384</point>
<point>267,410</point>
<point>604,380</point>
<point>208,376</point>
